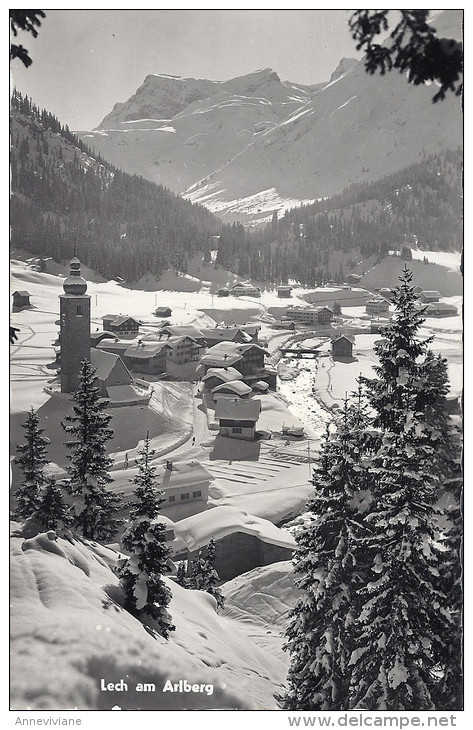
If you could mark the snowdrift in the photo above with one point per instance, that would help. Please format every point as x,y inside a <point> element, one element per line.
<point>69,632</point>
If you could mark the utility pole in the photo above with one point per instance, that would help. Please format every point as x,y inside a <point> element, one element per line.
<point>308,456</point>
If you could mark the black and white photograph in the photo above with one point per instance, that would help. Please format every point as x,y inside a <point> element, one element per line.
<point>236,367</point>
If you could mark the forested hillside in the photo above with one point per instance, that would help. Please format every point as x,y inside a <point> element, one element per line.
<point>420,205</point>
<point>65,197</point>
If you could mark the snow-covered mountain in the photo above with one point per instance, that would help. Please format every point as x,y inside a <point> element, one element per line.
<point>256,142</point>
<point>175,131</point>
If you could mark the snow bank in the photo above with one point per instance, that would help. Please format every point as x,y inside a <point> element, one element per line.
<point>69,630</point>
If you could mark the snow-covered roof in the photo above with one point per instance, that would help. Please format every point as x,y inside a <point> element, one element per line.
<point>238,410</point>
<point>122,318</point>
<point>182,330</point>
<point>101,335</point>
<point>224,333</point>
<point>104,346</point>
<point>183,473</point>
<point>236,386</point>
<point>103,363</point>
<point>250,327</point>
<point>176,339</point>
<point>146,349</point>
<point>350,338</point>
<point>243,285</point>
<point>124,394</point>
<point>225,374</point>
<point>218,522</point>
<point>260,385</point>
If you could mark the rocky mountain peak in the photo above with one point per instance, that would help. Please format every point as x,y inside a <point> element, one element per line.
<point>344,65</point>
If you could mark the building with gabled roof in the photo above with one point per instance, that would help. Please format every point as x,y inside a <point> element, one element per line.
<point>237,418</point>
<point>441,309</point>
<point>245,289</point>
<point>184,349</point>
<point>121,324</point>
<point>148,356</point>
<point>342,346</point>
<point>283,324</point>
<point>284,291</point>
<point>21,299</point>
<point>186,487</point>
<point>310,315</point>
<point>242,541</point>
<point>163,311</point>
<point>225,333</point>
<point>429,296</point>
<point>251,328</point>
<point>246,358</point>
<point>182,330</point>
<point>217,376</point>
<point>377,305</point>
<point>113,379</point>
<point>353,278</point>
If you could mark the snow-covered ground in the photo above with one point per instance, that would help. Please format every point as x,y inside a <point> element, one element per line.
<point>69,631</point>
<point>272,482</point>
<point>67,620</point>
<point>449,259</point>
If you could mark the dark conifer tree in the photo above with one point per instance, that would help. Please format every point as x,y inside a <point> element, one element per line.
<point>96,509</point>
<point>31,461</point>
<point>205,577</point>
<point>448,691</point>
<point>181,576</point>
<point>404,614</point>
<point>144,540</point>
<point>398,352</point>
<point>407,618</point>
<point>52,510</point>
<point>329,570</point>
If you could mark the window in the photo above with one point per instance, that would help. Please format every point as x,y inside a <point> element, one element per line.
<point>197,494</point>
<point>236,430</point>
<point>172,498</point>
<point>185,495</point>
<point>79,310</point>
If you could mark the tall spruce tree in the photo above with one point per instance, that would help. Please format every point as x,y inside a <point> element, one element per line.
<point>31,461</point>
<point>398,352</point>
<point>329,572</point>
<point>404,613</point>
<point>96,509</point>
<point>144,539</point>
<point>406,616</point>
<point>204,576</point>
<point>52,510</point>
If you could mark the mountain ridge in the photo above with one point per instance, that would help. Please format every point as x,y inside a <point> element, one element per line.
<point>231,144</point>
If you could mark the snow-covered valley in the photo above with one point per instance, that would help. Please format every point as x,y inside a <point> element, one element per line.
<point>67,615</point>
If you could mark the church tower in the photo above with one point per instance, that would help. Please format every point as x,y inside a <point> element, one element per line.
<point>74,327</point>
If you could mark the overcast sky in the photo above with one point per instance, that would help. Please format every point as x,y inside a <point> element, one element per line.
<point>84,61</point>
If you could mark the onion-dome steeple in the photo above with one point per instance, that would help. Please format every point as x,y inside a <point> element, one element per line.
<point>75,283</point>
